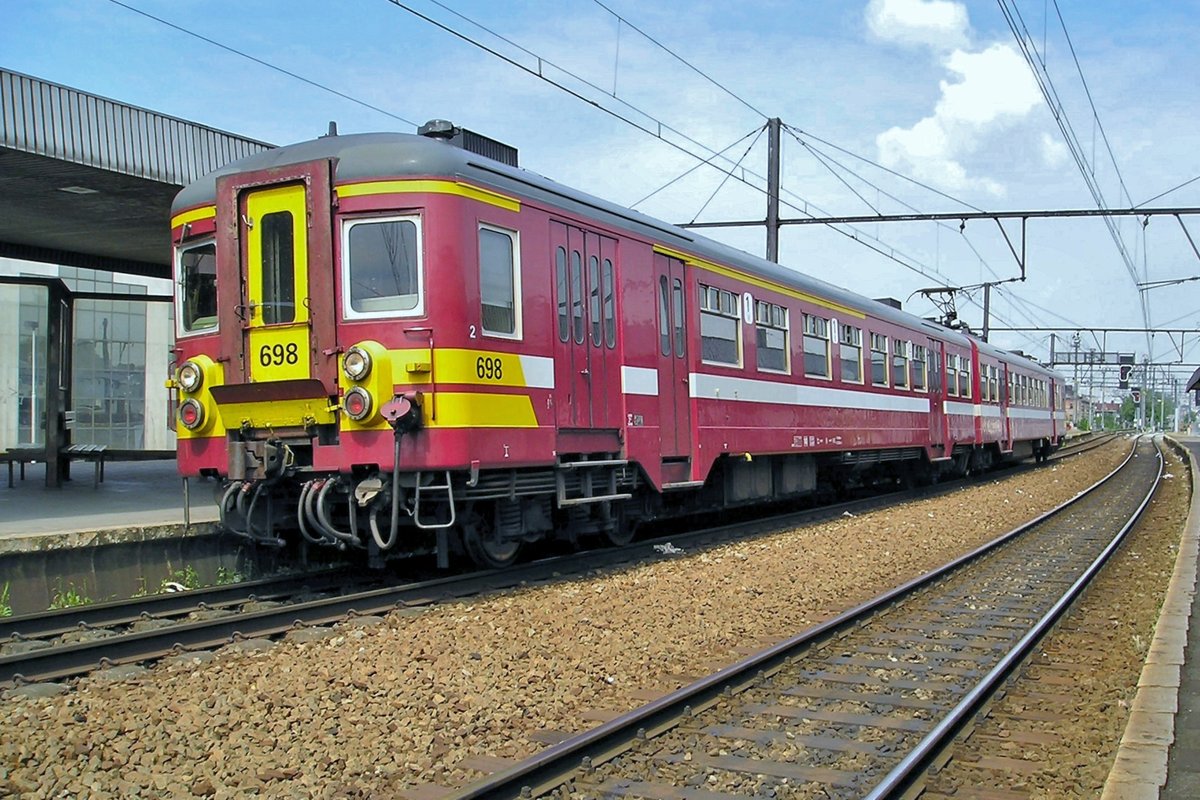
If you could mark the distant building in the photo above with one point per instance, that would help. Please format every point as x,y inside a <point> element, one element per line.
<point>122,352</point>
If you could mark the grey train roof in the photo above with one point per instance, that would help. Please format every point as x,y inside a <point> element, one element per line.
<point>376,156</point>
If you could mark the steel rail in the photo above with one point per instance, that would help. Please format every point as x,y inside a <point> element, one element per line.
<point>556,765</point>
<point>75,659</point>
<point>114,613</point>
<point>69,660</point>
<point>913,766</point>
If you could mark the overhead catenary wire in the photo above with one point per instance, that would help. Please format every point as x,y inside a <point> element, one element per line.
<point>823,158</point>
<point>267,64</point>
<point>698,165</point>
<point>860,237</point>
<point>1045,82</point>
<point>1176,188</point>
<point>849,232</point>
<point>720,185</point>
<point>1091,102</point>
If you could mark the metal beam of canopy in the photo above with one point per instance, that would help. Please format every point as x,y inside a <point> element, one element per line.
<point>88,182</point>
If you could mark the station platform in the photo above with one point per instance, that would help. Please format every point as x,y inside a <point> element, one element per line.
<point>133,495</point>
<point>1157,757</point>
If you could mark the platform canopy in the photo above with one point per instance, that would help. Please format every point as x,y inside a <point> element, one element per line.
<point>87,182</point>
<point>1193,382</point>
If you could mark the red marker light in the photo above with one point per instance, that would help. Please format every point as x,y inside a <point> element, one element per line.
<point>191,414</point>
<point>357,403</point>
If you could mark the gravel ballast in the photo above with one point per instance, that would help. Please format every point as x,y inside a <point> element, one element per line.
<point>410,701</point>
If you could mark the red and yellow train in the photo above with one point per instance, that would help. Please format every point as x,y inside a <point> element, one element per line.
<point>406,344</point>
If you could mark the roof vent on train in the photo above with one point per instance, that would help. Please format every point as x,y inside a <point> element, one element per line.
<point>889,301</point>
<point>469,140</point>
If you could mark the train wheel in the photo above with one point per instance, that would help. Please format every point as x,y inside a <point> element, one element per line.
<point>620,535</point>
<point>619,531</point>
<point>485,547</point>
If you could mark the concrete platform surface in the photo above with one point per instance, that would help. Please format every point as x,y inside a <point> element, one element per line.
<point>134,494</point>
<point>1158,755</point>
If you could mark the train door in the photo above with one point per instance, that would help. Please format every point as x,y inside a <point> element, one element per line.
<point>674,407</point>
<point>275,232</point>
<point>585,301</point>
<point>1005,408</point>
<point>938,432</point>
<point>283,297</point>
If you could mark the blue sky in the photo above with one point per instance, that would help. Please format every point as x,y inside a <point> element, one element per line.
<point>933,89</point>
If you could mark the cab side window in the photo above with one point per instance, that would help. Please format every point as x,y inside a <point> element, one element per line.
<point>382,272</point>
<point>499,282</point>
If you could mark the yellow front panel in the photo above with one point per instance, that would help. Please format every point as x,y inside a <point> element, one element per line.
<point>278,352</point>
<point>276,413</point>
<point>278,336</point>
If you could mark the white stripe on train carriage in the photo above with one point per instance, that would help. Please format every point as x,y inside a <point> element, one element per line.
<point>1039,414</point>
<point>746,390</point>
<point>639,380</point>
<point>538,371</point>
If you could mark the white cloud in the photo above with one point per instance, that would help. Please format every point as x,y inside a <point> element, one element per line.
<point>1054,152</point>
<point>940,24</point>
<point>995,89</point>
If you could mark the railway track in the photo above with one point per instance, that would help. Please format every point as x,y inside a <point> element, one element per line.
<point>116,615</point>
<point>864,704</point>
<point>70,642</point>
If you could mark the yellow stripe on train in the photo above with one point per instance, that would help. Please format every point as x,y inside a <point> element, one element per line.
<point>460,410</point>
<point>194,215</point>
<point>431,186</point>
<point>417,367</point>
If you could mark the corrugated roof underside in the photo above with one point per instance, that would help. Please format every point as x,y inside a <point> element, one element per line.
<point>58,122</point>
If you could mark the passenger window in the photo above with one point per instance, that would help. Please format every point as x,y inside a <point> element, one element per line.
<point>850,354</point>
<point>382,272</point>
<point>594,295</point>
<point>720,326</point>
<point>610,305</point>
<point>577,297</point>
<point>899,364</point>
<point>664,316</point>
<point>816,346</point>
<point>879,359</point>
<point>563,294</point>
<point>917,367</point>
<point>952,375</point>
<point>771,335</point>
<point>677,298</point>
<point>197,274</point>
<point>278,268</point>
<point>499,285</point>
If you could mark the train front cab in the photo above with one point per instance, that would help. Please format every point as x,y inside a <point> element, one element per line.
<point>310,390</point>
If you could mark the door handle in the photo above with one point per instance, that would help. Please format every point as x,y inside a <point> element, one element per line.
<point>585,373</point>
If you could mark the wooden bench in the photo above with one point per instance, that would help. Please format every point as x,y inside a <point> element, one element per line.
<point>21,456</point>
<point>89,452</point>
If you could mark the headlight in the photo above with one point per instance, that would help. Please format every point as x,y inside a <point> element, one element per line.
<point>190,376</point>
<point>357,363</point>
<point>191,414</point>
<point>357,403</point>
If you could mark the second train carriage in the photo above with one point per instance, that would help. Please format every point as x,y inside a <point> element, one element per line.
<point>400,344</point>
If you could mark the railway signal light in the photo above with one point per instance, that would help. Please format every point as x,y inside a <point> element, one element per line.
<point>1125,371</point>
<point>1136,395</point>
